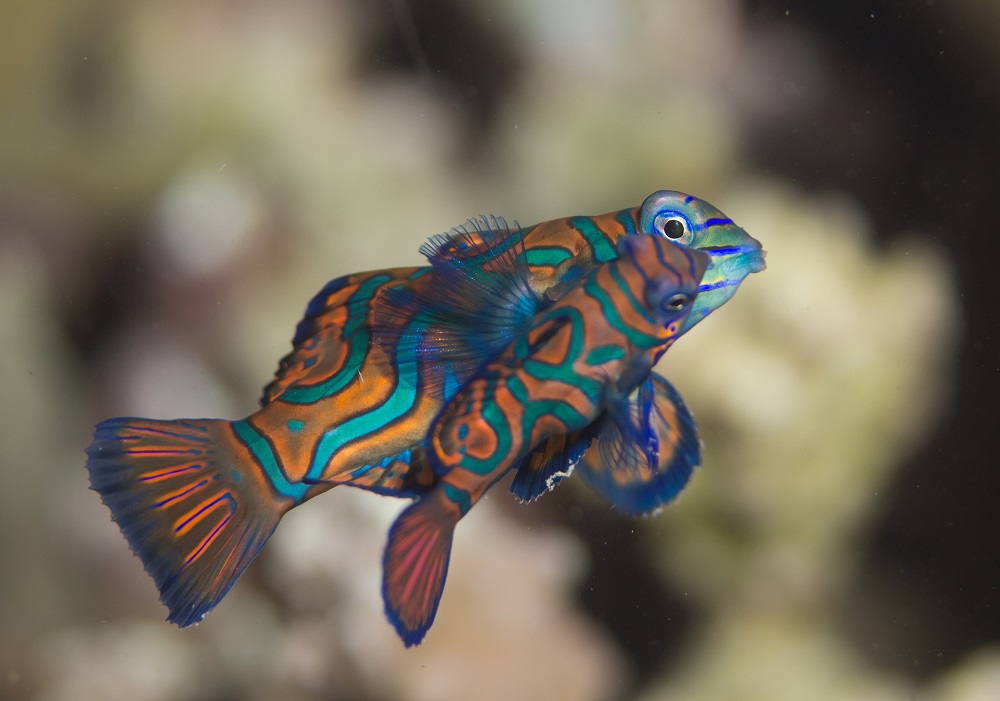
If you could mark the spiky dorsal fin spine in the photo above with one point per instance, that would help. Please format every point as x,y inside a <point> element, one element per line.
<point>478,300</point>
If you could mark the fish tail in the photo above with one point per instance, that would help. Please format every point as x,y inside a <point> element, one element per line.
<point>191,501</point>
<point>415,566</point>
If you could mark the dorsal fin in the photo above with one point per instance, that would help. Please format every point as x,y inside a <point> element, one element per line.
<point>478,300</point>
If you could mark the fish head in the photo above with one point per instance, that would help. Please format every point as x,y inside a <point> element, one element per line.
<point>696,224</point>
<point>671,275</point>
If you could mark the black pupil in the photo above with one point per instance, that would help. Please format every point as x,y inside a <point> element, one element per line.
<point>673,229</point>
<point>676,302</point>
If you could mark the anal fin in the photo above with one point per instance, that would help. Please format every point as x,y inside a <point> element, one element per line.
<point>415,567</point>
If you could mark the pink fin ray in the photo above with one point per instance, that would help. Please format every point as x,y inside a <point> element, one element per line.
<point>415,568</point>
<point>186,501</point>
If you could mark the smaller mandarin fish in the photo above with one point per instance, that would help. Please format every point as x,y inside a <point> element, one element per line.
<point>575,370</point>
<point>197,499</point>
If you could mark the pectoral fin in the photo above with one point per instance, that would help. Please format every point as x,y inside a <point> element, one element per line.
<point>646,450</point>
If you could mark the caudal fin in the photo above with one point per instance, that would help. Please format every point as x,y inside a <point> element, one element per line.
<point>415,567</point>
<point>189,500</point>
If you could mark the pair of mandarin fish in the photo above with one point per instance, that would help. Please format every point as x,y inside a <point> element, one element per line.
<point>516,349</point>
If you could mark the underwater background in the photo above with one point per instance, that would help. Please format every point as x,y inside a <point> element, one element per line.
<point>178,179</point>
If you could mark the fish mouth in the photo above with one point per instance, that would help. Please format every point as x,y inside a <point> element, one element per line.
<point>754,261</point>
<point>730,264</point>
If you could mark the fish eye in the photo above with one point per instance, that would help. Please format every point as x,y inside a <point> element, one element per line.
<point>676,303</point>
<point>674,228</point>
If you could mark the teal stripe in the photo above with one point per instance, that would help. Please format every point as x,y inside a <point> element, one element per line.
<point>628,223</point>
<point>356,317</point>
<point>603,354</point>
<point>564,372</point>
<point>547,255</point>
<point>497,420</point>
<point>603,250</point>
<point>459,497</point>
<point>517,388</point>
<point>398,403</point>
<point>262,453</point>
<point>572,419</point>
<point>638,338</point>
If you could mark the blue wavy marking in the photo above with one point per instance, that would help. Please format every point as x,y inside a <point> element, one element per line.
<point>498,421</point>
<point>717,285</point>
<point>716,222</point>
<point>383,463</point>
<point>356,317</point>
<point>729,250</point>
<point>222,497</point>
<point>604,354</point>
<point>316,307</point>
<point>181,495</point>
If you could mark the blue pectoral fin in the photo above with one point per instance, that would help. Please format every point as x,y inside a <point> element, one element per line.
<point>647,449</point>
<point>479,301</point>
<point>549,463</point>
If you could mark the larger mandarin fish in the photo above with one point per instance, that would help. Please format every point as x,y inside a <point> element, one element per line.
<point>580,360</point>
<point>197,499</point>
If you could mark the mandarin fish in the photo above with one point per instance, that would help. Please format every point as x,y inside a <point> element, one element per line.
<point>581,358</point>
<point>373,361</point>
